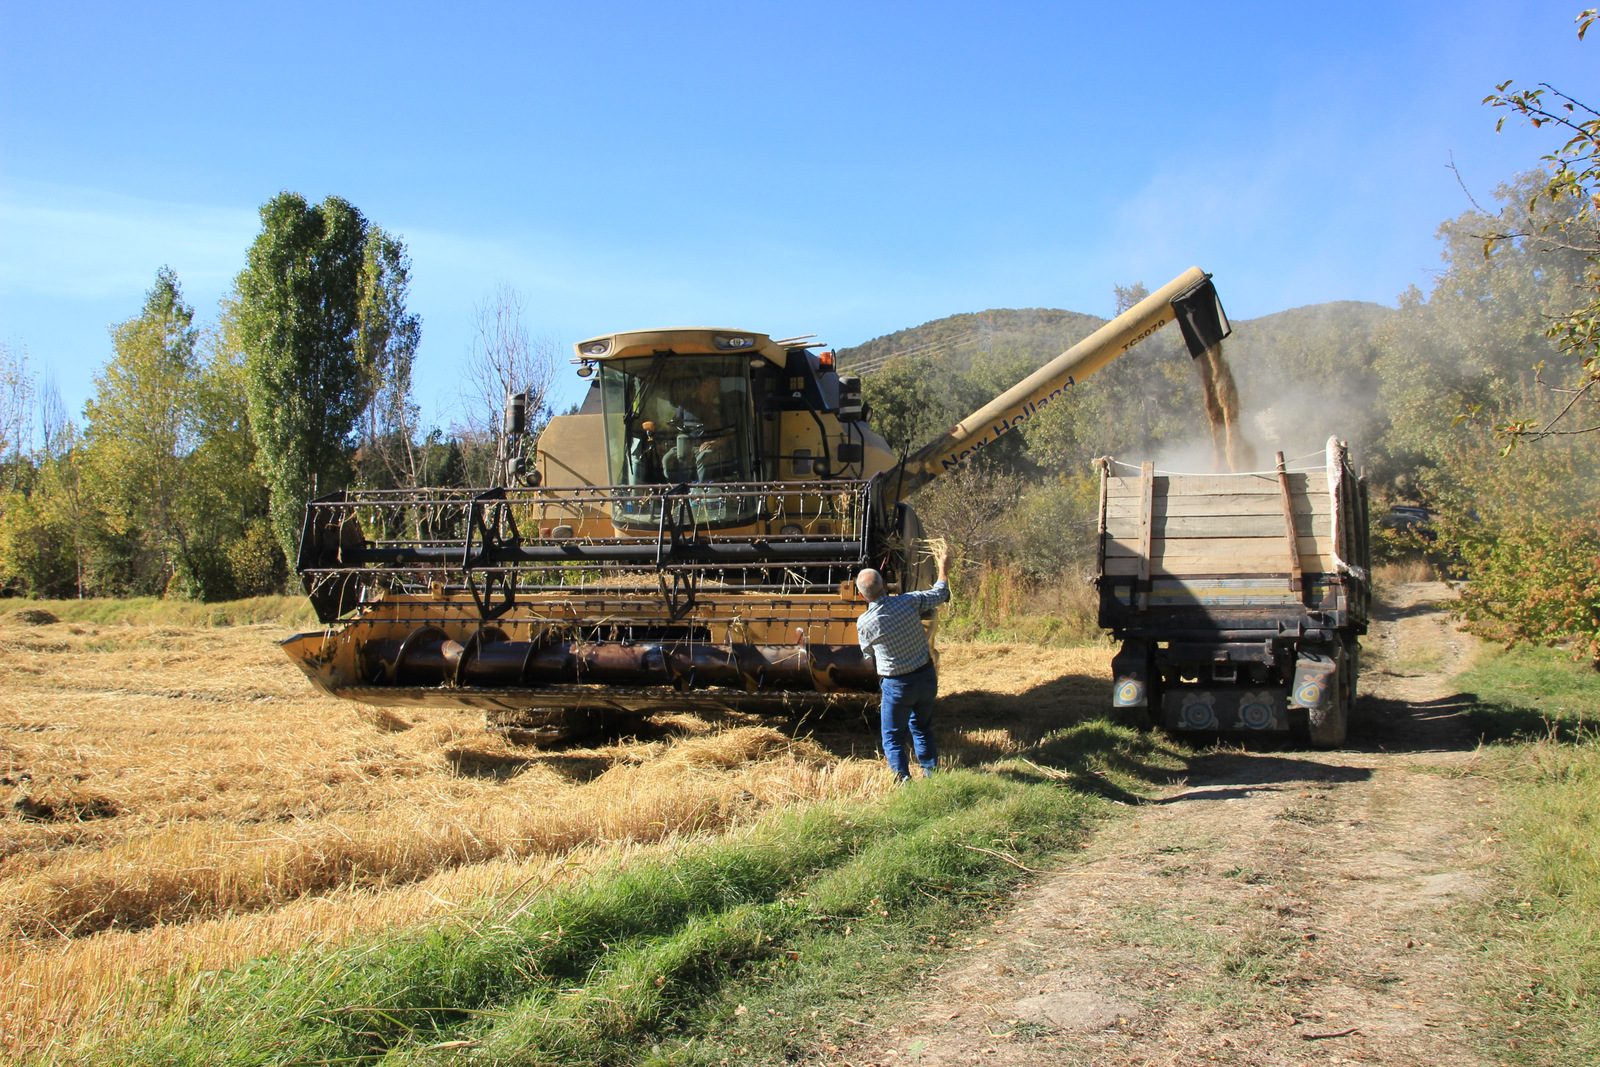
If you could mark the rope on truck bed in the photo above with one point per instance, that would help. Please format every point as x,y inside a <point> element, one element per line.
<point>1319,456</point>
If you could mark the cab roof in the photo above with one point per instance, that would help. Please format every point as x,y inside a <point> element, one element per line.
<point>682,341</point>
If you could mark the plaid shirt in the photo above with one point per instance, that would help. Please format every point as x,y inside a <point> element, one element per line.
<point>891,633</point>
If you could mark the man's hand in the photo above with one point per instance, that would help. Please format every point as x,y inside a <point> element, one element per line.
<point>942,559</point>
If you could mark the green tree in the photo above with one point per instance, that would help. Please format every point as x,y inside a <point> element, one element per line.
<point>1497,354</point>
<point>162,490</point>
<point>320,309</point>
<point>230,551</point>
<point>16,414</point>
<point>140,428</point>
<point>50,532</point>
<point>1525,534</point>
<point>389,455</point>
<point>914,398</point>
<point>1466,353</point>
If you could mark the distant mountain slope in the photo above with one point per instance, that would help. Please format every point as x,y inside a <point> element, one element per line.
<point>1046,332</point>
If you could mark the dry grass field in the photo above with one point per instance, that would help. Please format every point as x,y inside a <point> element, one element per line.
<point>177,800</point>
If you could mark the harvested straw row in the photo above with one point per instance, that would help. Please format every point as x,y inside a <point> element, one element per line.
<point>204,870</point>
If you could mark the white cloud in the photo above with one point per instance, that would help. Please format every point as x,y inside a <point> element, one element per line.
<point>75,243</point>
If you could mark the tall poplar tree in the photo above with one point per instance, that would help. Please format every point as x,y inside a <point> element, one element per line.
<point>322,319</point>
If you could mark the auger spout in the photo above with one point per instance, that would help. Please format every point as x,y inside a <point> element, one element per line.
<point>1189,298</point>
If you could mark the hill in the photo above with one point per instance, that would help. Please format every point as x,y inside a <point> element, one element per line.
<point>1047,331</point>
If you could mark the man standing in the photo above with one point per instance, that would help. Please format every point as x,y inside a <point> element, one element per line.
<point>891,636</point>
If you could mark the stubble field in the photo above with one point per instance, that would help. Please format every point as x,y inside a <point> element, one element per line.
<point>177,800</point>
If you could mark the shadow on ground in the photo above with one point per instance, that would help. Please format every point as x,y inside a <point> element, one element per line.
<point>1067,724</point>
<point>1244,772</point>
<point>1385,612</point>
<point>1494,722</point>
<point>1388,725</point>
<point>573,766</point>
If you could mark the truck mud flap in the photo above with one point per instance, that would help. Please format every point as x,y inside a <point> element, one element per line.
<point>1324,685</point>
<point>1315,686</point>
<point>1131,673</point>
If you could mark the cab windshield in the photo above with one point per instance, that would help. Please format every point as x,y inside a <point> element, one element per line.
<point>674,419</point>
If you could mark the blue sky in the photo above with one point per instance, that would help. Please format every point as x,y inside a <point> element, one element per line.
<point>845,169</point>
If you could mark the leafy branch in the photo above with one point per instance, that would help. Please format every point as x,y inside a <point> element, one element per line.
<point>1574,183</point>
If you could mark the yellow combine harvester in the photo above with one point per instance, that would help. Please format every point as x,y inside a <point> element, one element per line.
<point>687,540</point>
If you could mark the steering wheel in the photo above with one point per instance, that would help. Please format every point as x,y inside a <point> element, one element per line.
<point>708,433</point>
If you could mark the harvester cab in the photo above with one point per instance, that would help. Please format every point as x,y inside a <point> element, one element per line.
<point>687,539</point>
<point>698,408</point>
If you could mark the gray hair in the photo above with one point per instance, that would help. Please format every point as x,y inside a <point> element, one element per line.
<point>870,583</point>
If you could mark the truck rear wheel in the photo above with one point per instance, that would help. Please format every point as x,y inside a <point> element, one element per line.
<point>1330,726</point>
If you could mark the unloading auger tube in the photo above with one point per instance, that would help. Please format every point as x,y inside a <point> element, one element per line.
<point>687,540</point>
<point>1190,298</point>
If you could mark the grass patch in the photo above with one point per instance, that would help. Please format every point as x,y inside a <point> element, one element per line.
<point>763,945</point>
<point>996,604</point>
<point>1545,930</point>
<point>1414,661</point>
<point>1533,694</point>
<point>1220,956</point>
<point>1404,571</point>
<point>291,611</point>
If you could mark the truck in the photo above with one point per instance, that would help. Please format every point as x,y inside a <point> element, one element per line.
<point>1239,599</point>
<point>687,540</point>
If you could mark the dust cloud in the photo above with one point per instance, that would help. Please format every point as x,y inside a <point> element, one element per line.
<point>1271,416</point>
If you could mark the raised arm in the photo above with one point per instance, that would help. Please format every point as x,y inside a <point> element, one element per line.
<point>940,592</point>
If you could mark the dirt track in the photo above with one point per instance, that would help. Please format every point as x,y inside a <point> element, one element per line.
<point>1275,907</point>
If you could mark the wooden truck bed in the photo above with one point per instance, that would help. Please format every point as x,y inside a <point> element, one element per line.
<point>1230,551</point>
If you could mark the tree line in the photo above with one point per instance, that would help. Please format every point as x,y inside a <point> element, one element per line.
<point>188,472</point>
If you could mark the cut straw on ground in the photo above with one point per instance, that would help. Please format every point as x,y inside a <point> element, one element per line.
<point>177,800</point>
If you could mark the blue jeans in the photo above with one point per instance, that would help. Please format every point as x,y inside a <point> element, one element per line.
<point>907,708</point>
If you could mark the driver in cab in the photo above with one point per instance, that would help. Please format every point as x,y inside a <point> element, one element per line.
<point>701,449</point>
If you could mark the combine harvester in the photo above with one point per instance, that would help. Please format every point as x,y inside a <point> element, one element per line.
<point>687,541</point>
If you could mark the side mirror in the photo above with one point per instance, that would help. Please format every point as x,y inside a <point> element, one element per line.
<point>516,413</point>
<point>850,409</point>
